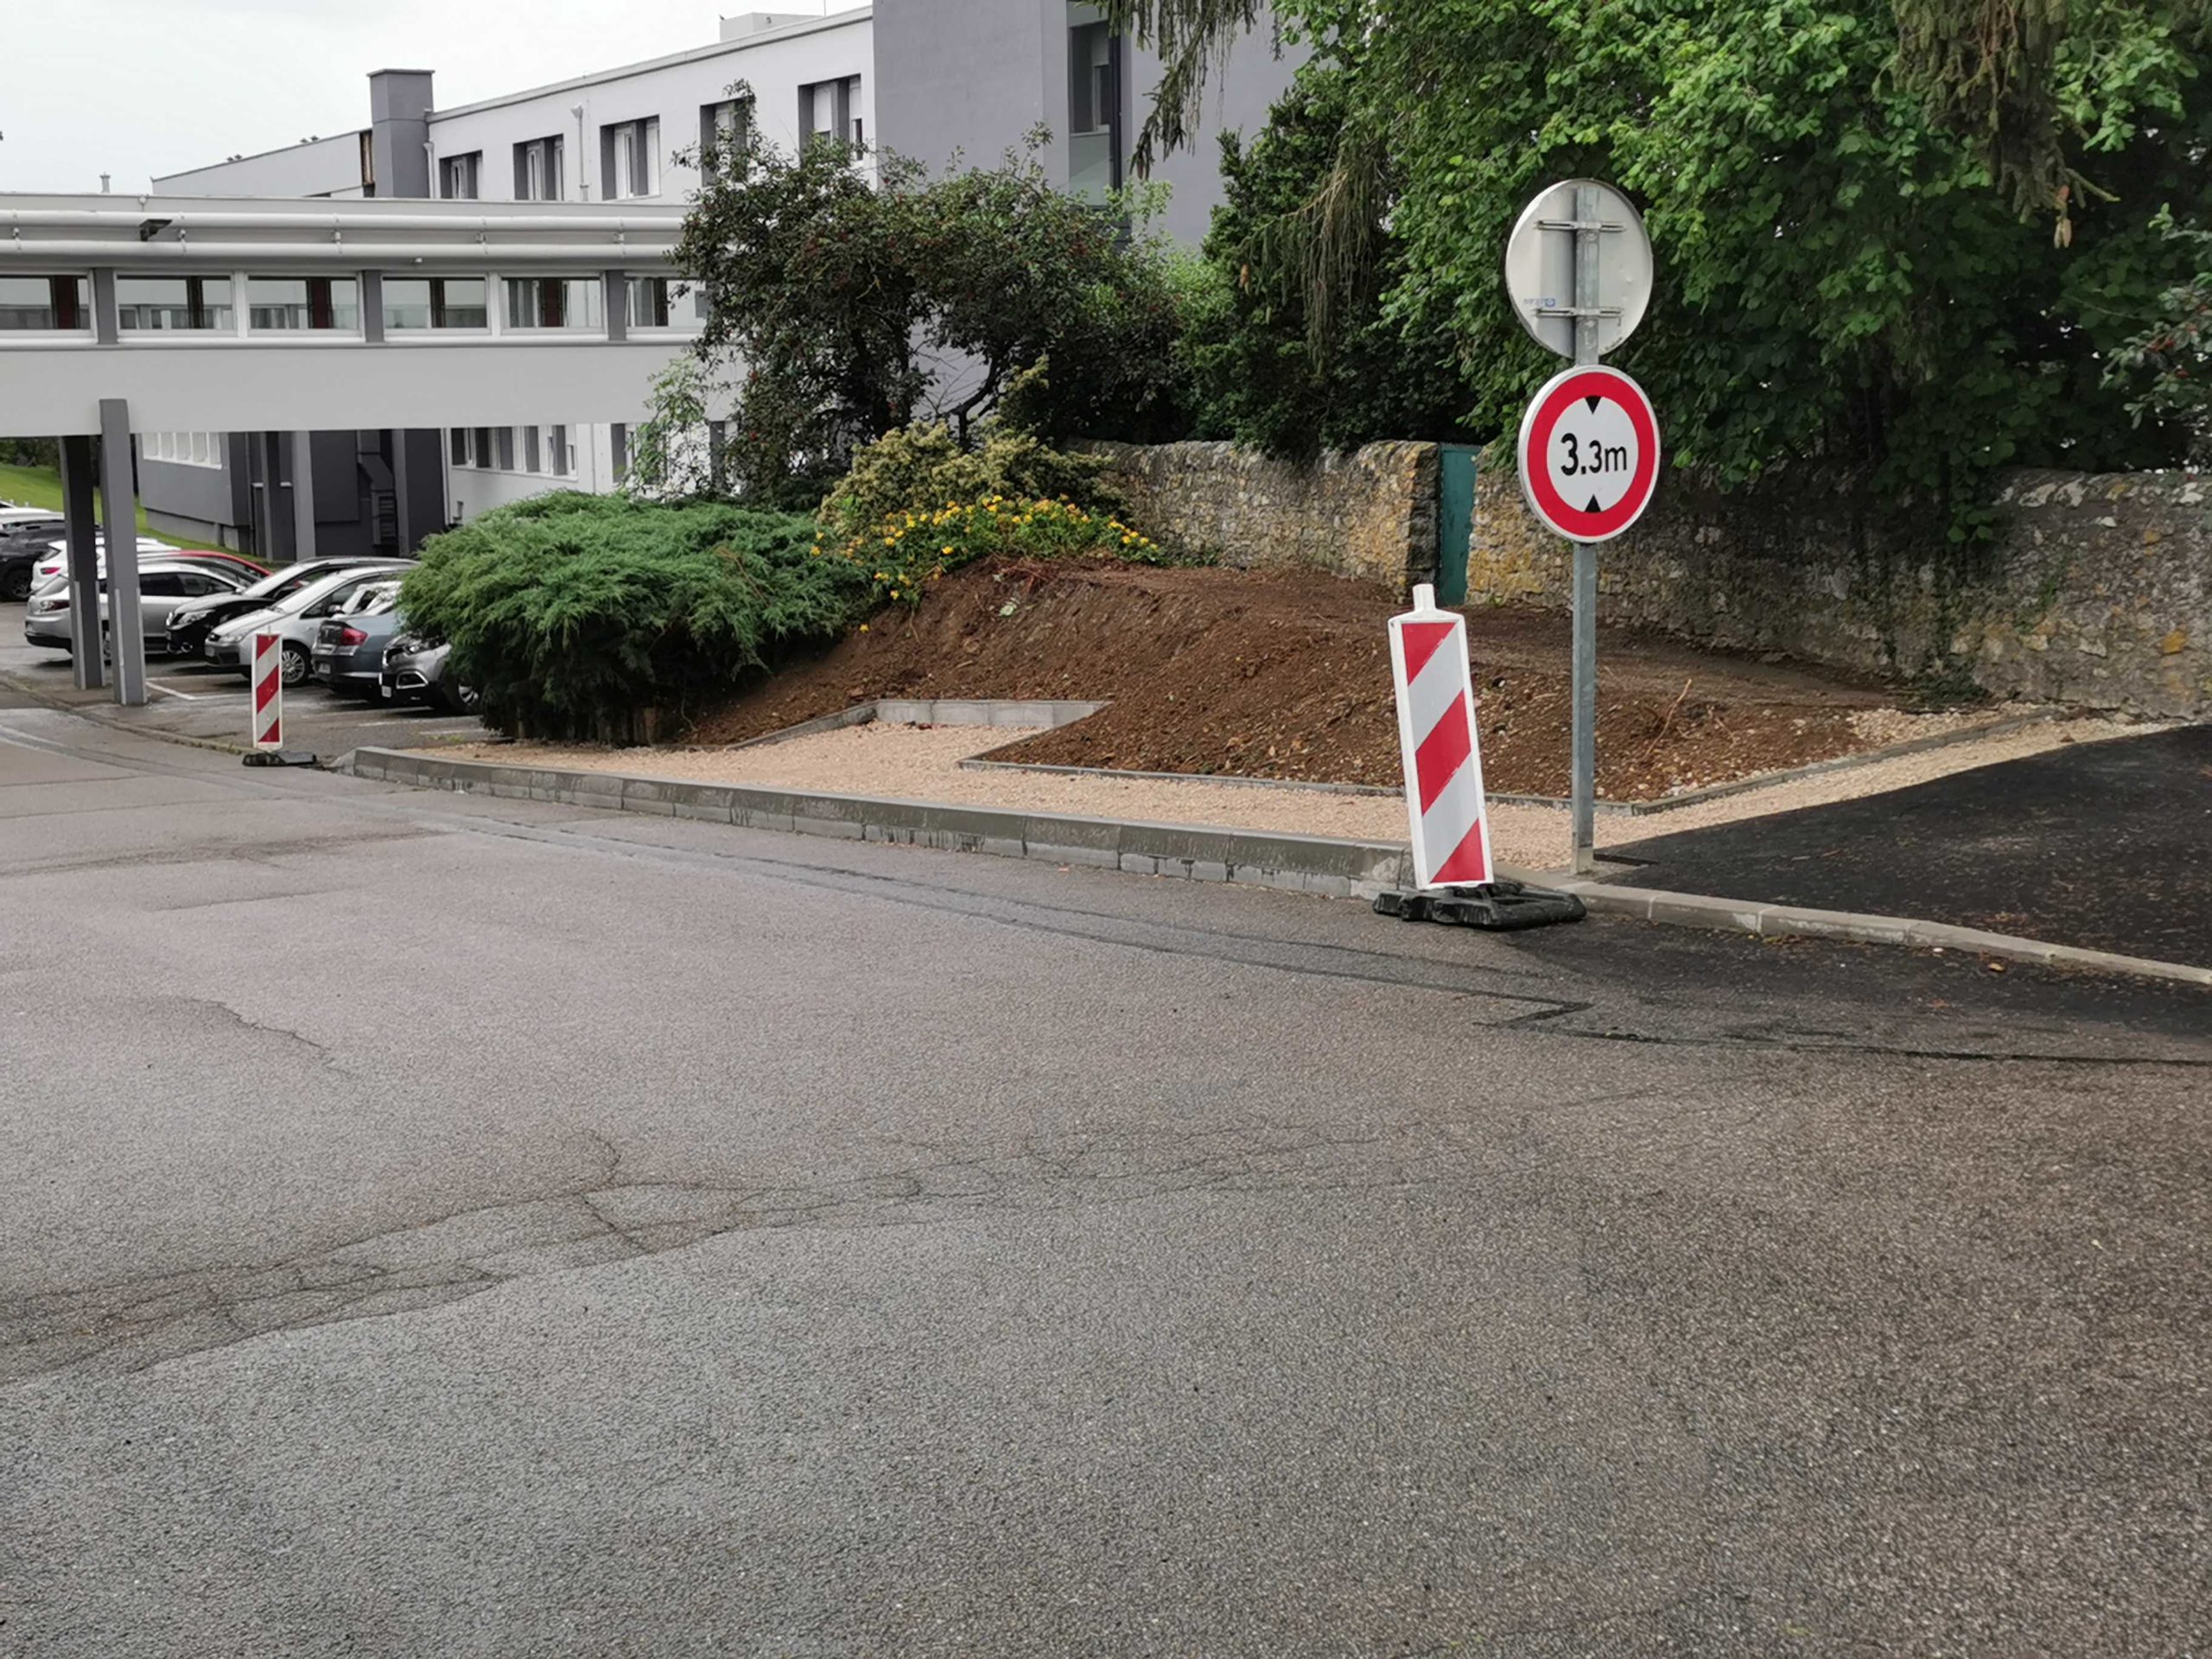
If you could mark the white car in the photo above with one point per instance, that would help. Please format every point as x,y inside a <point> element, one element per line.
<point>52,570</point>
<point>294,619</point>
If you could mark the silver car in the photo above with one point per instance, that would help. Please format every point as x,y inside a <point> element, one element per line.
<point>294,619</point>
<point>163,584</point>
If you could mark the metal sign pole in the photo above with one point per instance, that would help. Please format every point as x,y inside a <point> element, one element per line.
<point>1585,787</point>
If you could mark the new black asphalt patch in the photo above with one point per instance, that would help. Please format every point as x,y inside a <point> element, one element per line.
<point>2105,845</point>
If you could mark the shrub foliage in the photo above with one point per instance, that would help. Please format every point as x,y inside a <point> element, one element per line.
<point>598,617</point>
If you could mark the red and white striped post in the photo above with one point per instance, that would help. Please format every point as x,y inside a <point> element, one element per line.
<point>1436,735</point>
<point>268,691</point>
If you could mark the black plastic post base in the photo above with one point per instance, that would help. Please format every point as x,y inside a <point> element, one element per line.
<point>278,757</point>
<point>1500,907</point>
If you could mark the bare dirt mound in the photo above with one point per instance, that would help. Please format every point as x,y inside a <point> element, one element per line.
<point>1287,675</point>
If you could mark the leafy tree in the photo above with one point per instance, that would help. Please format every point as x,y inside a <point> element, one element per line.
<point>842,308</point>
<point>2172,358</point>
<point>1903,234</point>
<point>1264,364</point>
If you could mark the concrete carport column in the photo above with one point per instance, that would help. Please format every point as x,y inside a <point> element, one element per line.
<point>83,559</point>
<point>119,516</point>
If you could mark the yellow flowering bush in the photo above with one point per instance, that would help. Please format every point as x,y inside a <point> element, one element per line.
<point>906,551</point>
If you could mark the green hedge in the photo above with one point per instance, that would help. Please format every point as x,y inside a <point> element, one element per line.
<point>601,617</point>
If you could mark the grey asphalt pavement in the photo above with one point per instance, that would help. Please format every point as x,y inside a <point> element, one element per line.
<point>197,701</point>
<point>439,1226</point>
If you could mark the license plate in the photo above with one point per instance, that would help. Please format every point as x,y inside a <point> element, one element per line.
<point>382,690</point>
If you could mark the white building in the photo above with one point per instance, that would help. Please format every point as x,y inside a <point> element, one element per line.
<point>964,77</point>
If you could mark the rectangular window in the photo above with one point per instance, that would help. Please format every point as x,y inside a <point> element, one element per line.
<point>538,170</point>
<point>457,446</point>
<point>434,303</point>
<point>481,437</point>
<point>645,301</point>
<point>556,456</point>
<point>552,303</point>
<point>459,177</point>
<point>45,302</point>
<point>182,448</point>
<point>720,126</point>
<point>329,302</point>
<point>173,302</point>
<point>530,457</point>
<point>829,111</point>
<point>629,159</point>
<point>1094,104</point>
<point>618,448</point>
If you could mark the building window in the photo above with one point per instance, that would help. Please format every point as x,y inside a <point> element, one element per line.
<point>558,462</point>
<point>480,436</point>
<point>538,170</point>
<point>284,302</point>
<point>173,302</point>
<point>459,177</point>
<point>182,449</point>
<point>644,300</point>
<point>434,303</point>
<point>629,159</point>
<point>1094,104</point>
<point>458,448</point>
<point>530,460</point>
<point>721,126</point>
<point>46,303</point>
<point>552,303</point>
<point>830,109</point>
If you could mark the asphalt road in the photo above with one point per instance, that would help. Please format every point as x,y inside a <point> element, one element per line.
<point>438,1226</point>
<point>2097,844</point>
<point>196,700</point>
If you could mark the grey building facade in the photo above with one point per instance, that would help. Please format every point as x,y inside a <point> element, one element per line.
<point>974,79</point>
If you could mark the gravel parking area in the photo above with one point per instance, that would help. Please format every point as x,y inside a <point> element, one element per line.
<point>922,763</point>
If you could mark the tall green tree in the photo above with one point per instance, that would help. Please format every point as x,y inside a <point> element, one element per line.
<point>842,306</point>
<point>1904,234</point>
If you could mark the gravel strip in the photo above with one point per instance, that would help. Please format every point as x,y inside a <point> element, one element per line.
<point>921,763</point>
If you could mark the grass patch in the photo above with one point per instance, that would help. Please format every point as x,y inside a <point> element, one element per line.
<point>40,486</point>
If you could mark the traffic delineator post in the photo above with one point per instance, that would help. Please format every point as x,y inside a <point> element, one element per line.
<point>1437,740</point>
<point>1454,879</point>
<point>268,676</point>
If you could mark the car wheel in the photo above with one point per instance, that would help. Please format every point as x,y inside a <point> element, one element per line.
<point>294,666</point>
<point>16,585</point>
<point>461,699</point>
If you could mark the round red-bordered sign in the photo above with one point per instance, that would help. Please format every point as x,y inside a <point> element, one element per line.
<point>1589,453</point>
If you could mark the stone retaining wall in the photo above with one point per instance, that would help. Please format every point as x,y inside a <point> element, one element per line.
<point>2097,591</point>
<point>1370,513</point>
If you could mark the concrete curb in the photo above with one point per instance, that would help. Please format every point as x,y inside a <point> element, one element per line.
<point>1336,869</point>
<point>1330,869</point>
<point>1800,921</point>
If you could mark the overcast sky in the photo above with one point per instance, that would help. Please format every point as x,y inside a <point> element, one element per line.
<point>137,87</point>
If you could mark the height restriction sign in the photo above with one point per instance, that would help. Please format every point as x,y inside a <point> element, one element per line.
<point>1589,453</point>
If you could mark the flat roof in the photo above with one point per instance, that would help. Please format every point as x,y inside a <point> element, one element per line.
<point>350,135</point>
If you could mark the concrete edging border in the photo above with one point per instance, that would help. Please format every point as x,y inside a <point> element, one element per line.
<point>1336,869</point>
<point>1330,869</point>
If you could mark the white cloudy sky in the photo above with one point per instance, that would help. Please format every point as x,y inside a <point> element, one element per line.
<point>137,87</point>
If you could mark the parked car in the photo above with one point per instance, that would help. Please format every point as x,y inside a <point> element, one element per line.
<point>293,619</point>
<point>189,624</point>
<point>163,584</point>
<point>51,570</point>
<point>348,654</point>
<point>23,544</point>
<point>415,671</point>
